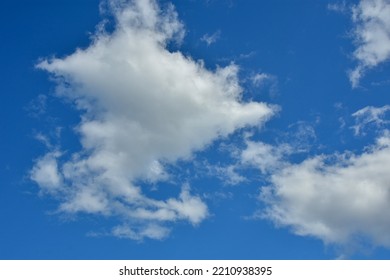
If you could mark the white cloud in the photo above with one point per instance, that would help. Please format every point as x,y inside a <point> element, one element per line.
<point>141,107</point>
<point>44,140</point>
<point>339,199</point>
<point>266,157</point>
<point>211,39</point>
<point>302,135</point>
<point>230,175</point>
<point>188,207</point>
<point>271,158</point>
<point>260,78</point>
<point>372,36</point>
<point>45,172</point>
<point>227,174</point>
<point>152,231</point>
<point>370,116</point>
<point>265,81</point>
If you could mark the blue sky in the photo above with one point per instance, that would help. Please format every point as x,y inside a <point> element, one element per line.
<point>210,129</point>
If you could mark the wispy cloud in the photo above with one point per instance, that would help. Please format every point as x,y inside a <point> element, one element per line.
<point>369,116</point>
<point>259,79</point>
<point>152,231</point>
<point>265,80</point>
<point>37,107</point>
<point>211,39</point>
<point>142,107</point>
<point>340,7</point>
<point>226,173</point>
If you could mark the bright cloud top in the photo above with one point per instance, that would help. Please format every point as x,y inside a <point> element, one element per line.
<point>142,107</point>
<point>372,35</point>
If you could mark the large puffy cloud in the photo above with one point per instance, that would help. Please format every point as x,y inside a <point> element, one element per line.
<point>142,107</point>
<point>372,36</point>
<point>340,199</point>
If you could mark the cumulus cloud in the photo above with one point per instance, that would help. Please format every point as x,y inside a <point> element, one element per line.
<point>340,198</point>
<point>372,36</point>
<point>142,107</point>
<point>45,171</point>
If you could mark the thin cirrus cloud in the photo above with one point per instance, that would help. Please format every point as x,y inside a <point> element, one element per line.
<point>370,116</point>
<point>372,36</point>
<point>142,107</point>
<point>211,39</point>
<point>259,79</point>
<point>341,198</point>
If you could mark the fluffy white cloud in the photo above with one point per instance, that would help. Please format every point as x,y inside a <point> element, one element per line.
<point>45,171</point>
<point>266,157</point>
<point>372,36</point>
<point>142,106</point>
<point>339,199</point>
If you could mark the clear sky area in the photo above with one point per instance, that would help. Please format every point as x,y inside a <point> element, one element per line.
<point>195,129</point>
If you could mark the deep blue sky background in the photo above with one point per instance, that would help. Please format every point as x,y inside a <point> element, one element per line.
<point>304,45</point>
